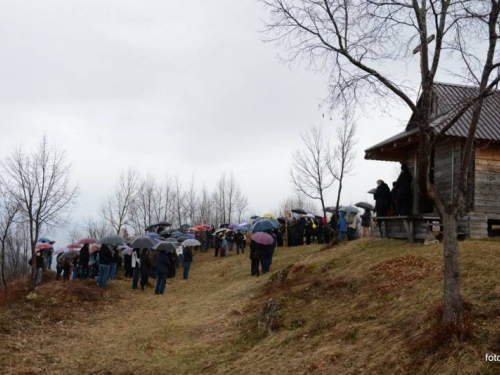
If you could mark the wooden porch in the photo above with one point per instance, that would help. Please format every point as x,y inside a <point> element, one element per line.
<point>415,227</point>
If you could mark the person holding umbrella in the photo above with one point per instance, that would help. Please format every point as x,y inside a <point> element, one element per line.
<point>188,259</point>
<point>105,259</point>
<point>366,220</point>
<point>84,261</point>
<point>162,270</point>
<point>136,266</point>
<point>145,268</point>
<point>342,226</point>
<point>217,243</point>
<point>259,243</point>
<point>114,263</point>
<point>39,263</point>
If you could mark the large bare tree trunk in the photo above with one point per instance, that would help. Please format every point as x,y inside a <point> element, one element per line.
<point>452,301</point>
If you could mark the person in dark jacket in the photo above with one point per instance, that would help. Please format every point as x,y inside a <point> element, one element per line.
<point>59,266</point>
<point>76,268</point>
<point>230,240</point>
<point>217,244</point>
<point>403,192</point>
<point>366,222</point>
<point>382,198</point>
<point>84,261</point>
<point>127,260</point>
<point>40,262</point>
<point>114,264</point>
<point>266,267</point>
<point>173,260</point>
<point>105,259</point>
<point>145,268</point>
<point>162,268</point>
<point>309,231</point>
<point>258,255</point>
<point>239,240</point>
<point>188,259</point>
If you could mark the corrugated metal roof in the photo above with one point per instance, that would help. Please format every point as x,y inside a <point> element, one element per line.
<point>394,138</point>
<point>450,99</point>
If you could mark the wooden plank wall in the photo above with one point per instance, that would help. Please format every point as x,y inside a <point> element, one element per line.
<point>487,187</point>
<point>447,159</point>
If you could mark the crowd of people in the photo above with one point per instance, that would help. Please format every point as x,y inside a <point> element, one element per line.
<point>105,261</point>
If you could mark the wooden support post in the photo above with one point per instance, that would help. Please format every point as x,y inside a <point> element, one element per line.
<point>383,229</point>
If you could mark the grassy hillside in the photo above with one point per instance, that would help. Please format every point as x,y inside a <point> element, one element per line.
<point>364,307</point>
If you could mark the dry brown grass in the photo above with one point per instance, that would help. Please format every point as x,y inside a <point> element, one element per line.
<point>370,306</point>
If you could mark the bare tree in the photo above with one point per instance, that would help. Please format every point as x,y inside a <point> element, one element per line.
<point>8,211</point>
<point>341,164</point>
<point>205,207</point>
<point>191,202</point>
<point>178,199</point>
<point>356,39</point>
<point>310,171</point>
<point>39,183</point>
<point>96,228</point>
<point>117,207</point>
<point>75,233</point>
<point>241,207</point>
<point>142,211</point>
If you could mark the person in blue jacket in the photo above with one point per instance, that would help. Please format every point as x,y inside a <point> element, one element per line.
<point>342,226</point>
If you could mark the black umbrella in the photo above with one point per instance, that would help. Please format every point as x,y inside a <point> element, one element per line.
<point>365,205</point>
<point>142,242</point>
<point>281,220</point>
<point>254,217</point>
<point>330,210</point>
<point>160,224</point>
<point>224,225</point>
<point>372,191</point>
<point>299,211</point>
<point>167,246</point>
<point>112,240</point>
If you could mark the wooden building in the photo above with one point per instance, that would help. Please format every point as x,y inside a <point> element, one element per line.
<point>482,207</point>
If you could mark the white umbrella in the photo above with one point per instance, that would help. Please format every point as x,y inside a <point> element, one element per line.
<point>191,242</point>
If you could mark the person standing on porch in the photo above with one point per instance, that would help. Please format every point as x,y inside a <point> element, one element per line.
<point>382,198</point>
<point>403,192</point>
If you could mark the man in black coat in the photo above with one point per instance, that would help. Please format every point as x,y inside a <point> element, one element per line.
<point>84,261</point>
<point>403,192</point>
<point>382,198</point>
<point>258,254</point>
<point>162,268</point>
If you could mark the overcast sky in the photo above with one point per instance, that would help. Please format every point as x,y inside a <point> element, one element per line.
<point>166,87</point>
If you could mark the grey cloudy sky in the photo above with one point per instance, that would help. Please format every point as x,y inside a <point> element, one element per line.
<point>166,87</point>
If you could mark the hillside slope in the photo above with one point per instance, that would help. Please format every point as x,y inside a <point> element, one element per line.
<point>364,307</point>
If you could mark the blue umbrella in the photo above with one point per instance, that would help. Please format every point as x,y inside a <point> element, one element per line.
<point>43,240</point>
<point>190,235</point>
<point>263,225</point>
<point>244,227</point>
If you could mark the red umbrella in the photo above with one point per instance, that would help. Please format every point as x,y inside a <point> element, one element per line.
<point>200,227</point>
<point>41,246</point>
<point>74,246</point>
<point>94,248</point>
<point>88,241</point>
